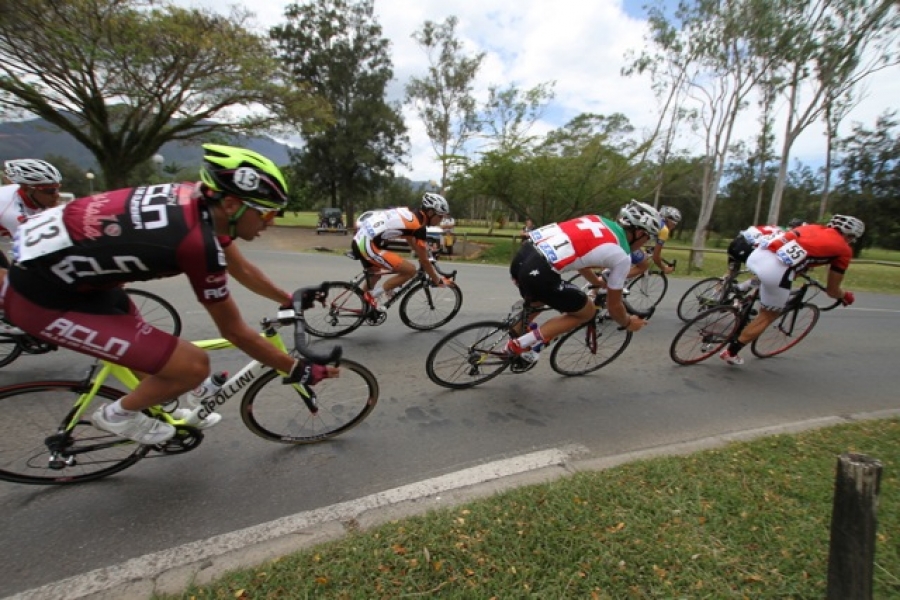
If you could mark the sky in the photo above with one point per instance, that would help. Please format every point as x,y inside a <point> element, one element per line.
<point>581,46</point>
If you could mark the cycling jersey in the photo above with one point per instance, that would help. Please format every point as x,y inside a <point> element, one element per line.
<point>376,230</point>
<point>15,207</point>
<point>71,261</point>
<point>586,242</point>
<point>108,239</point>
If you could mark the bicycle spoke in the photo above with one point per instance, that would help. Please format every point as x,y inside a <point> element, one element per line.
<point>469,356</point>
<point>705,335</point>
<point>589,347</point>
<point>283,413</point>
<point>646,291</point>
<point>426,308</point>
<point>339,313</point>
<point>787,331</point>
<point>701,296</point>
<point>29,416</point>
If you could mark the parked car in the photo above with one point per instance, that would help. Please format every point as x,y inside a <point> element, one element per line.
<point>331,220</point>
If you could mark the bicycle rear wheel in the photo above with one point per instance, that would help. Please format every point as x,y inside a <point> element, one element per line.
<point>425,307</point>
<point>589,347</point>
<point>469,355</point>
<point>701,296</point>
<point>704,335</point>
<point>645,291</point>
<point>156,311</point>
<point>10,348</point>
<point>787,331</point>
<point>30,418</point>
<point>340,312</point>
<point>278,412</point>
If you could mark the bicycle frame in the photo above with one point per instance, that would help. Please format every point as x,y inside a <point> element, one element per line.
<point>235,384</point>
<point>420,276</point>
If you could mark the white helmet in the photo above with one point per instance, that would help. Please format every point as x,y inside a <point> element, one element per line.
<point>436,202</point>
<point>31,171</point>
<point>849,226</point>
<point>641,216</point>
<point>670,212</point>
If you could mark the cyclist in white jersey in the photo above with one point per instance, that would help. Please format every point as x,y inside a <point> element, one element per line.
<point>34,186</point>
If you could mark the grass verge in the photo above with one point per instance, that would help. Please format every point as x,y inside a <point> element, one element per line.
<point>749,520</point>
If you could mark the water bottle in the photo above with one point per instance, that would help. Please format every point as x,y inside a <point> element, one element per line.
<point>209,387</point>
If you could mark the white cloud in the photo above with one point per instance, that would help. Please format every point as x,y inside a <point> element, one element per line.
<point>579,45</point>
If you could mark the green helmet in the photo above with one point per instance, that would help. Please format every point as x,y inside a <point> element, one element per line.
<point>245,174</point>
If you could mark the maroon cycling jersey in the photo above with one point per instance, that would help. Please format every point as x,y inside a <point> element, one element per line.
<point>116,237</point>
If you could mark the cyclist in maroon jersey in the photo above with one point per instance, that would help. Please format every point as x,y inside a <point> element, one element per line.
<point>65,286</point>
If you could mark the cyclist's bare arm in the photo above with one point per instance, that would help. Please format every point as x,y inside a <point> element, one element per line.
<point>619,313</point>
<point>591,276</point>
<point>833,288</point>
<point>422,255</point>
<point>251,277</point>
<point>231,325</point>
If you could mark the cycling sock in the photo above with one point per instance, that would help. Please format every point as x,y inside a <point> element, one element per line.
<point>531,338</point>
<point>735,347</point>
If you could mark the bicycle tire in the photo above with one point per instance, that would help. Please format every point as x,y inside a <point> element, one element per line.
<point>423,307</point>
<point>645,291</point>
<point>10,348</point>
<point>469,356</point>
<point>589,347</point>
<point>705,335</point>
<point>279,413</point>
<point>788,330</point>
<point>341,311</point>
<point>38,416</point>
<point>156,311</point>
<point>703,295</point>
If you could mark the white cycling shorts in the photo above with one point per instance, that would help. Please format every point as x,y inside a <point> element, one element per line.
<point>775,278</point>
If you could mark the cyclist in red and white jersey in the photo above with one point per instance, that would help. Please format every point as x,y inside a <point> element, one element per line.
<point>34,186</point>
<point>65,286</point>
<point>776,261</point>
<point>745,243</point>
<point>585,244</point>
<point>408,224</point>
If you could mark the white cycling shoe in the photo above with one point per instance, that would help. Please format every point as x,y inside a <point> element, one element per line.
<point>139,428</point>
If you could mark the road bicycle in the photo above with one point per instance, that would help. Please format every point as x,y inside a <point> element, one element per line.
<point>345,305</point>
<point>475,353</point>
<point>48,438</point>
<point>155,310</point>
<point>642,292</point>
<point>709,332</point>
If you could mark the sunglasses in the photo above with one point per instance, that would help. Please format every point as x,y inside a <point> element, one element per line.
<point>266,214</point>
<point>46,189</point>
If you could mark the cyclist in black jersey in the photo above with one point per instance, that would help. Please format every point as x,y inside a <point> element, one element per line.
<point>65,286</point>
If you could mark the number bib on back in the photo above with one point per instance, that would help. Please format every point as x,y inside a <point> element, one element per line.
<point>791,254</point>
<point>42,234</point>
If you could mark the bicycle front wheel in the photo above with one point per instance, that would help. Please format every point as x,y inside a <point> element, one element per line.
<point>425,307</point>
<point>156,311</point>
<point>469,356</point>
<point>704,335</point>
<point>31,415</point>
<point>340,312</point>
<point>285,414</point>
<point>701,296</point>
<point>787,331</point>
<point>646,291</point>
<point>589,347</point>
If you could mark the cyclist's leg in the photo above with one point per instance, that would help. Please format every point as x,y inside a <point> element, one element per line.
<point>774,289</point>
<point>381,258</point>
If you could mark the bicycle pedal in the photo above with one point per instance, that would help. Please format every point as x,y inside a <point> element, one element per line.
<point>186,439</point>
<point>376,317</point>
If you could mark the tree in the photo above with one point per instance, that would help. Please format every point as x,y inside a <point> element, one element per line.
<point>123,77</point>
<point>829,47</point>
<point>336,47</point>
<point>443,99</point>
<point>510,113</point>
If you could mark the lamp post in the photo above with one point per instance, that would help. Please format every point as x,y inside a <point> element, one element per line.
<point>158,160</point>
<point>90,177</point>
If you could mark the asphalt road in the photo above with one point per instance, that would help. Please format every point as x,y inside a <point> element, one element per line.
<point>420,431</point>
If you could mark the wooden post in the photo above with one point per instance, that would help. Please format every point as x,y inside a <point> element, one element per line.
<point>854,521</point>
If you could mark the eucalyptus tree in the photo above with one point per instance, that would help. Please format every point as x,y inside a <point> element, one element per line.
<point>123,77</point>
<point>714,49</point>
<point>337,48</point>
<point>509,114</point>
<point>829,47</point>
<point>443,98</point>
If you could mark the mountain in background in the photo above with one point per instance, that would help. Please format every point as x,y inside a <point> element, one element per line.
<point>37,138</point>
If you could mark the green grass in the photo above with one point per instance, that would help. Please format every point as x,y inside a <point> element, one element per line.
<point>749,520</point>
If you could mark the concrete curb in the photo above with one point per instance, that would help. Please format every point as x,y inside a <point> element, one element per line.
<point>171,571</point>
